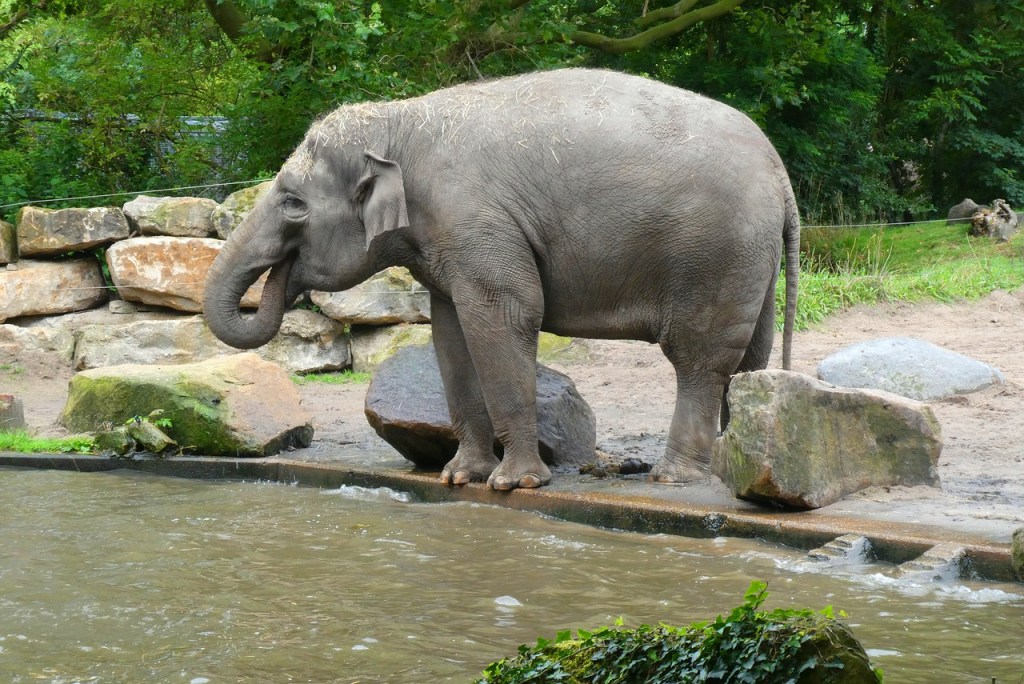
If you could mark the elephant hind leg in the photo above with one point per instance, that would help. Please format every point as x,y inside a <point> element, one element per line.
<point>694,427</point>
<point>758,351</point>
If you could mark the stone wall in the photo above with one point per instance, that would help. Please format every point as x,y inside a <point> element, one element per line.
<point>112,285</point>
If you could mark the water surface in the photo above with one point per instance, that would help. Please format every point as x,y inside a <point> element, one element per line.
<point>128,578</point>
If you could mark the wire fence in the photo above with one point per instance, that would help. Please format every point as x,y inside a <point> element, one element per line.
<point>182,188</point>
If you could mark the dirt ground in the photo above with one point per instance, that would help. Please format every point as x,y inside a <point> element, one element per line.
<point>630,387</point>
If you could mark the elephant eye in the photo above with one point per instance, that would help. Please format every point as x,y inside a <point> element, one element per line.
<point>294,207</point>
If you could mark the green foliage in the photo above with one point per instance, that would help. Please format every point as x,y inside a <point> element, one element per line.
<point>844,267</point>
<point>881,110</point>
<point>748,645</point>
<point>22,442</point>
<point>347,377</point>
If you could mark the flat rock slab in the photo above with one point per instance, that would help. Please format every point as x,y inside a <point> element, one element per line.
<point>909,367</point>
<point>406,405</point>
<point>237,405</point>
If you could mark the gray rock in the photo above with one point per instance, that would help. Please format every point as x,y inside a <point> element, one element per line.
<point>15,340</point>
<point>168,271</point>
<point>963,211</point>
<point>238,405</point>
<point>1017,553</point>
<point>909,367</point>
<point>49,232</point>
<point>235,206</point>
<point>392,296</point>
<point>797,442</point>
<point>406,405</point>
<point>51,287</point>
<point>175,216</point>
<point>8,243</point>
<point>306,343</point>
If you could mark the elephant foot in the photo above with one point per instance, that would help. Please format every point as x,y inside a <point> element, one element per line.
<point>465,468</point>
<point>669,473</point>
<point>520,475</point>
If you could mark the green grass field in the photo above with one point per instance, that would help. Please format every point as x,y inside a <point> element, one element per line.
<point>841,267</point>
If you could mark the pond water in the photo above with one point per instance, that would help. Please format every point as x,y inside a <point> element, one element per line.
<point>129,578</point>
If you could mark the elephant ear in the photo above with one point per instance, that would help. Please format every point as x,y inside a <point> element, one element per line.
<point>381,194</point>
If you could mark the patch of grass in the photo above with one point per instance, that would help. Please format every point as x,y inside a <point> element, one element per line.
<point>346,377</point>
<point>21,442</point>
<point>12,368</point>
<point>847,266</point>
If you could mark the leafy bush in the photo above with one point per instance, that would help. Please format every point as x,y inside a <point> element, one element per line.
<point>748,645</point>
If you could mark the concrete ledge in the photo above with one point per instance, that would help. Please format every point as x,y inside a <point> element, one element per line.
<point>890,542</point>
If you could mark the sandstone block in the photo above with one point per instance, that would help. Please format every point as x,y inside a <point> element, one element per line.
<point>235,206</point>
<point>168,271</point>
<point>8,243</point>
<point>51,287</point>
<point>50,232</point>
<point>392,296</point>
<point>307,343</point>
<point>174,216</point>
<point>372,345</point>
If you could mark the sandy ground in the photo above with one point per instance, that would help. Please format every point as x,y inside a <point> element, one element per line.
<point>630,386</point>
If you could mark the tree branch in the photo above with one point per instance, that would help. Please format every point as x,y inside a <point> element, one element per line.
<point>233,23</point>
<point>657,25</point>
<point>684,19</point>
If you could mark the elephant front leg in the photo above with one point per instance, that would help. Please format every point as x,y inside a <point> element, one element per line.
<point>475,459</point>
<point>501,334</point>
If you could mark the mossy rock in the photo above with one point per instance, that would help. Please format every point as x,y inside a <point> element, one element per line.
<point>238,405</point>
<point>748,645</point>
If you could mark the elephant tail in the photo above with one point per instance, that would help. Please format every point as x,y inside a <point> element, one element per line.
<point>791,239</point>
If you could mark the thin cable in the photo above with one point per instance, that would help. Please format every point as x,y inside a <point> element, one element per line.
<point>876,225</point>
<point>132,192</point>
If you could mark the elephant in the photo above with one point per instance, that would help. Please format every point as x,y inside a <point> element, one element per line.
<point>584,202</point>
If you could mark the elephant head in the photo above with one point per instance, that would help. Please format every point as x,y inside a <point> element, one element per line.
<point>313,229</point>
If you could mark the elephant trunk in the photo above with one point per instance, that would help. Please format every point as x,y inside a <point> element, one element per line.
<point>225,286</point>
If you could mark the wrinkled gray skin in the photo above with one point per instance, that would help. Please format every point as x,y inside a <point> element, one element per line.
<point>585,203</point>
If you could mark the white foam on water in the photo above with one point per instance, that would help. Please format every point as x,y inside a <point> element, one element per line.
<point>357,493</point>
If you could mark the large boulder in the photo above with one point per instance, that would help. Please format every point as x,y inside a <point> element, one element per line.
<point>406,405</point>
<point>175,216</point>
<point>168,271</point>
<point>798,442</point>
<point>37,288</point>
<point>235,206</point>
<point>306,343</point>
<point>392,296</point>
<point>909,367</point>
<point>8,243</point>
<point>50,232</point>
<point>238,405</point>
